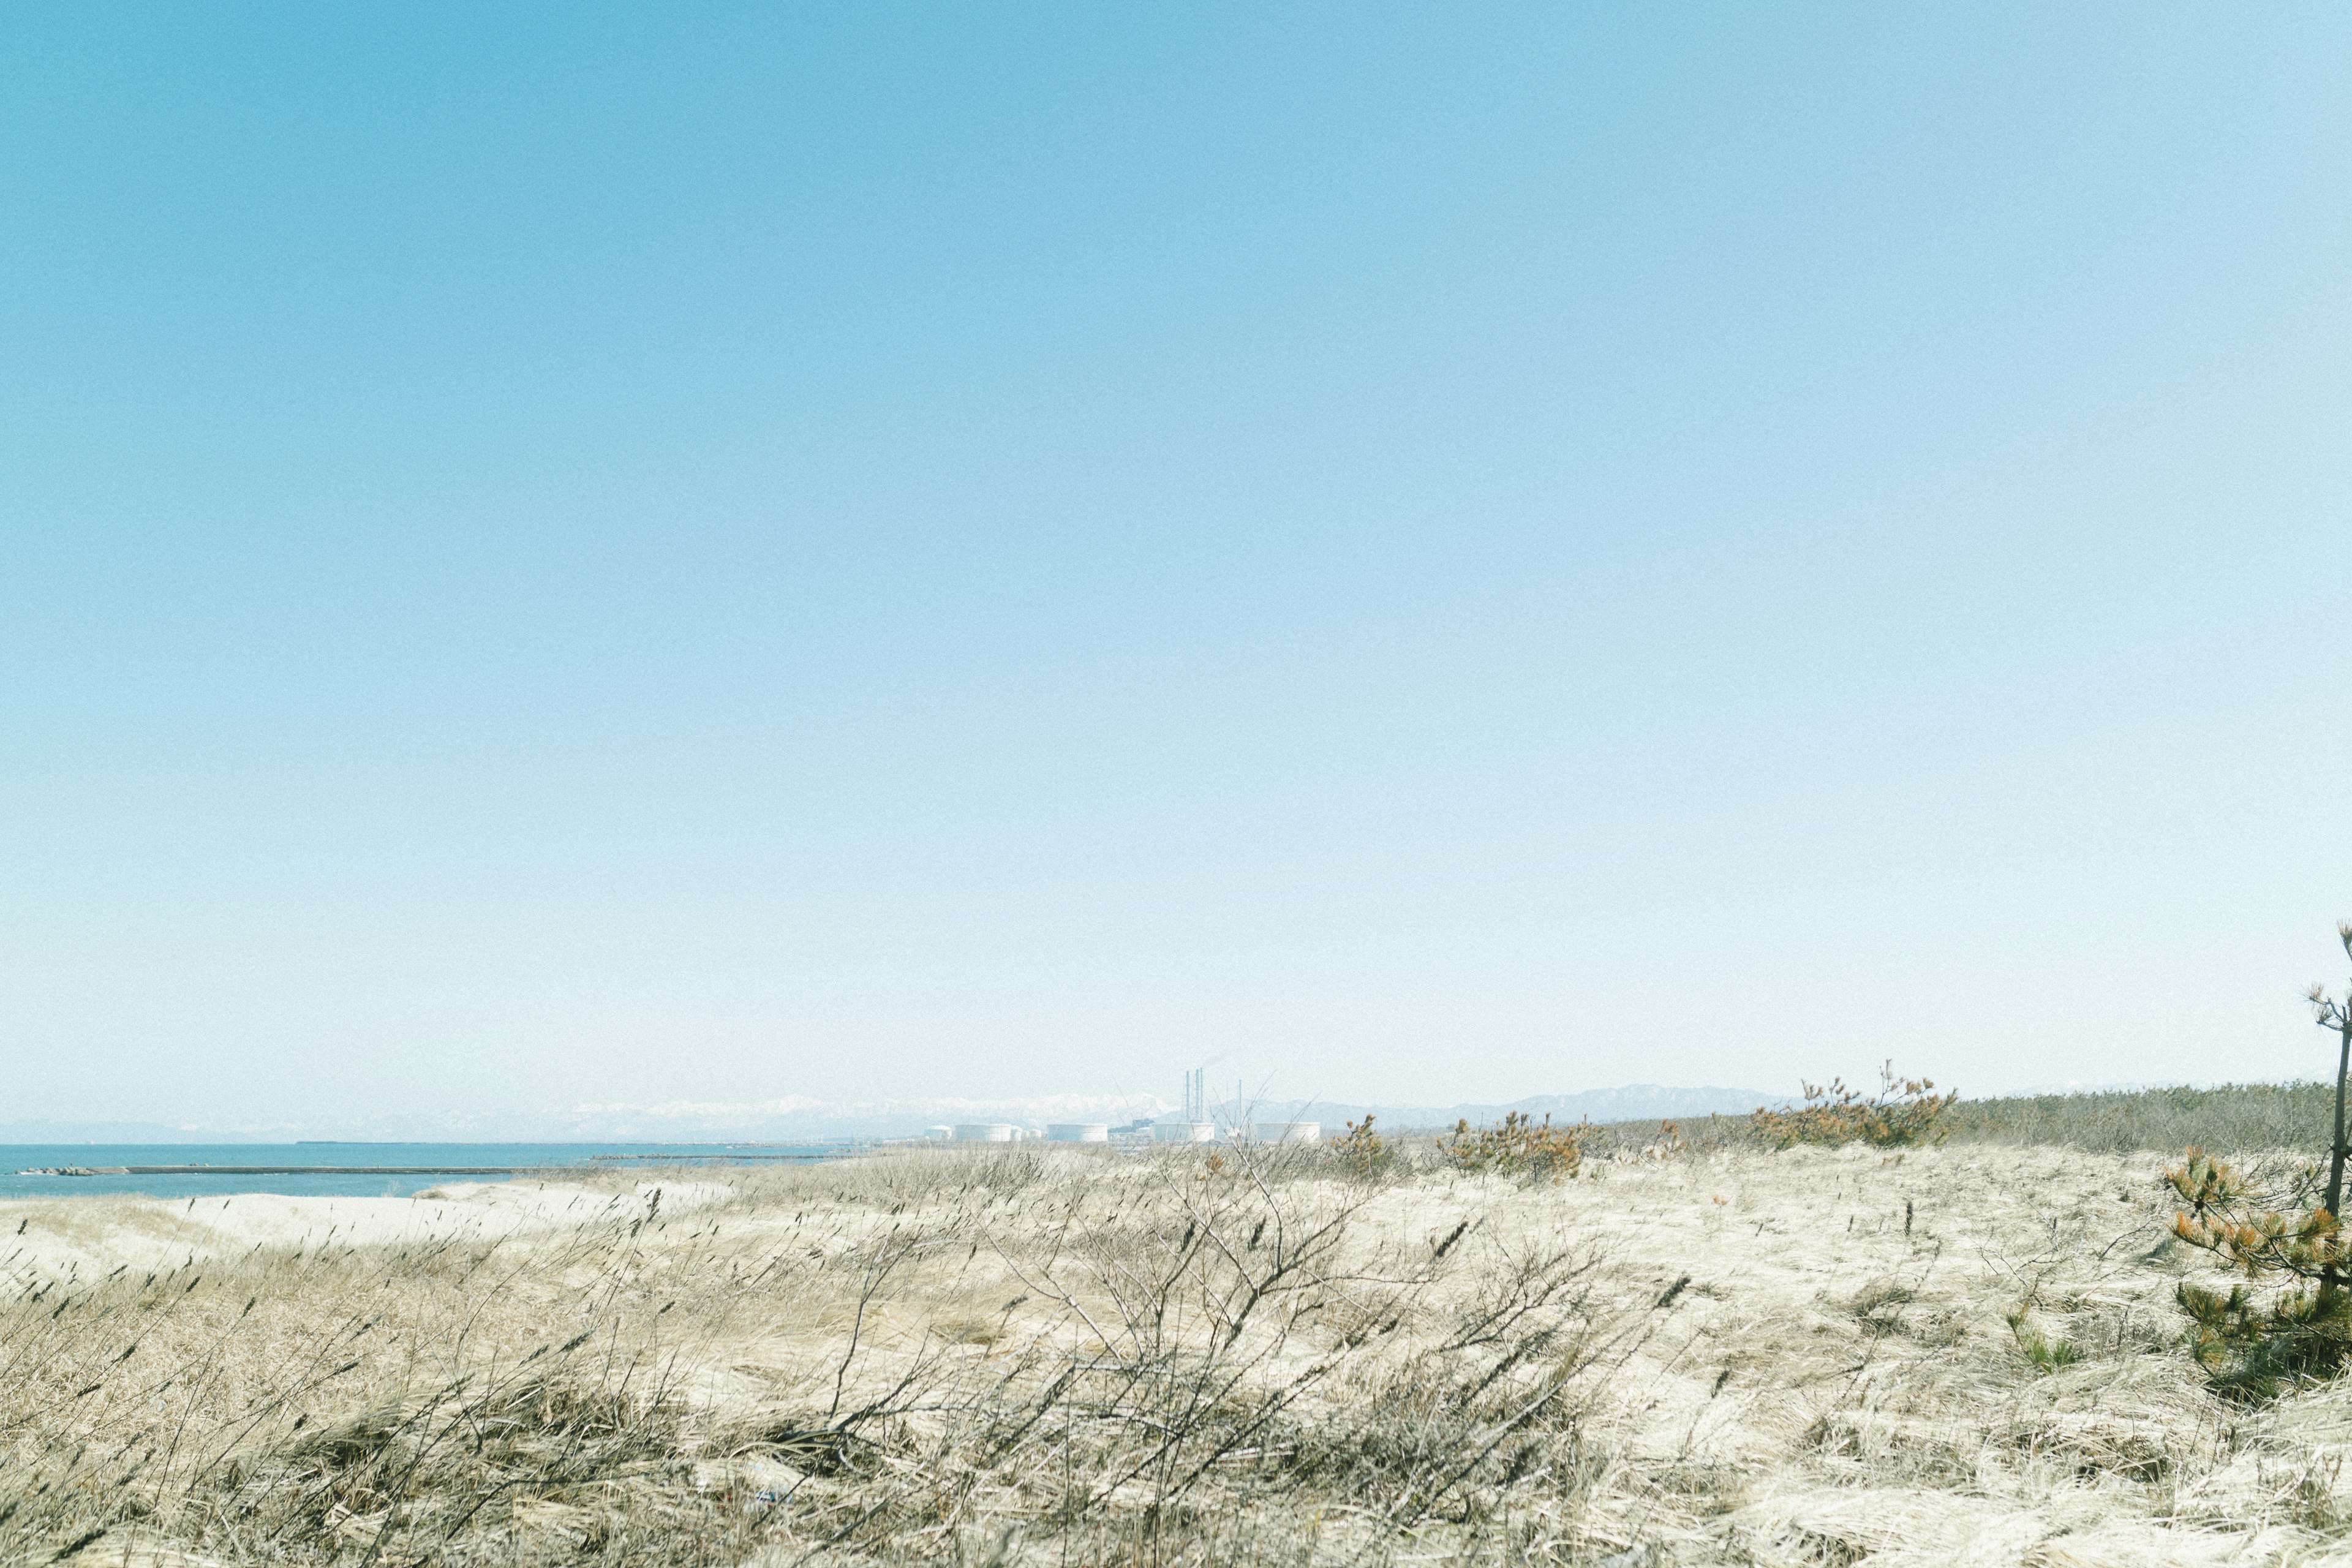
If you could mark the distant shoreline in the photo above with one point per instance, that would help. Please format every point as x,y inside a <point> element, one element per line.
<point>324,1168</point>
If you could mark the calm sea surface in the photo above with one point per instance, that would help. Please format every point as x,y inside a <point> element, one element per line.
<point>18,1157</point>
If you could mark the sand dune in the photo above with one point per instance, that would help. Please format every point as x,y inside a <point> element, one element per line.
<point>1035,1356</point>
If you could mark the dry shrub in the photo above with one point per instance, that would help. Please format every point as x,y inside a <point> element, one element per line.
<point>1519,1146</point>
<point>1903,1113</point>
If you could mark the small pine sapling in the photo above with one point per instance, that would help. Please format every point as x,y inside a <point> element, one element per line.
<point>2252,1348</point>
<point>2044,1354</point>
<point>1365,1152</point>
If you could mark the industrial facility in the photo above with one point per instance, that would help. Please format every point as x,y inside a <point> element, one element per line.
<point>1190,1124</point>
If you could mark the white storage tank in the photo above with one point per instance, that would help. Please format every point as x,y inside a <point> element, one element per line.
<point>986,1132</point>
<point>1078,1132</point>
<point>1183,1132</point>
<point>938,1134</point>
<point>1286,1132</point>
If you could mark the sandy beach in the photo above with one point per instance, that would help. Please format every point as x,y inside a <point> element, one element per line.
<point>86,1239</point>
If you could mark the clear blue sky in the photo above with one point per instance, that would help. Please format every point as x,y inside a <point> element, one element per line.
<point>1438,553</point>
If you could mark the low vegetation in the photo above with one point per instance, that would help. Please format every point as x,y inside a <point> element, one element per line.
<point>2251,1116</point>
<point>2247,1116</point>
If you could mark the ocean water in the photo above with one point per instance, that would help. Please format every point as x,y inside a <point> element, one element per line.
<point>16,1158</point>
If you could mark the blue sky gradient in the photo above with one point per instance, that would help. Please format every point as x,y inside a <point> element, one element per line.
<point>579,554</point>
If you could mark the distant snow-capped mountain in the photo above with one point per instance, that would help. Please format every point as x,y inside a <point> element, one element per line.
<point>798,1119</point>
<point>791,1118</point>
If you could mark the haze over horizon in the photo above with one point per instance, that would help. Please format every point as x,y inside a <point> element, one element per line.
<point>566,556</point>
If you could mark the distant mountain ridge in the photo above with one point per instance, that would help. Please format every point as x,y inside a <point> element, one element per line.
<point>1631,1102</point>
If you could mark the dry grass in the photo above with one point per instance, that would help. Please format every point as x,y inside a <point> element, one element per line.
<point>2241,1116</point>
<point>2237,1116</point>
<point>1723,1355</point>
